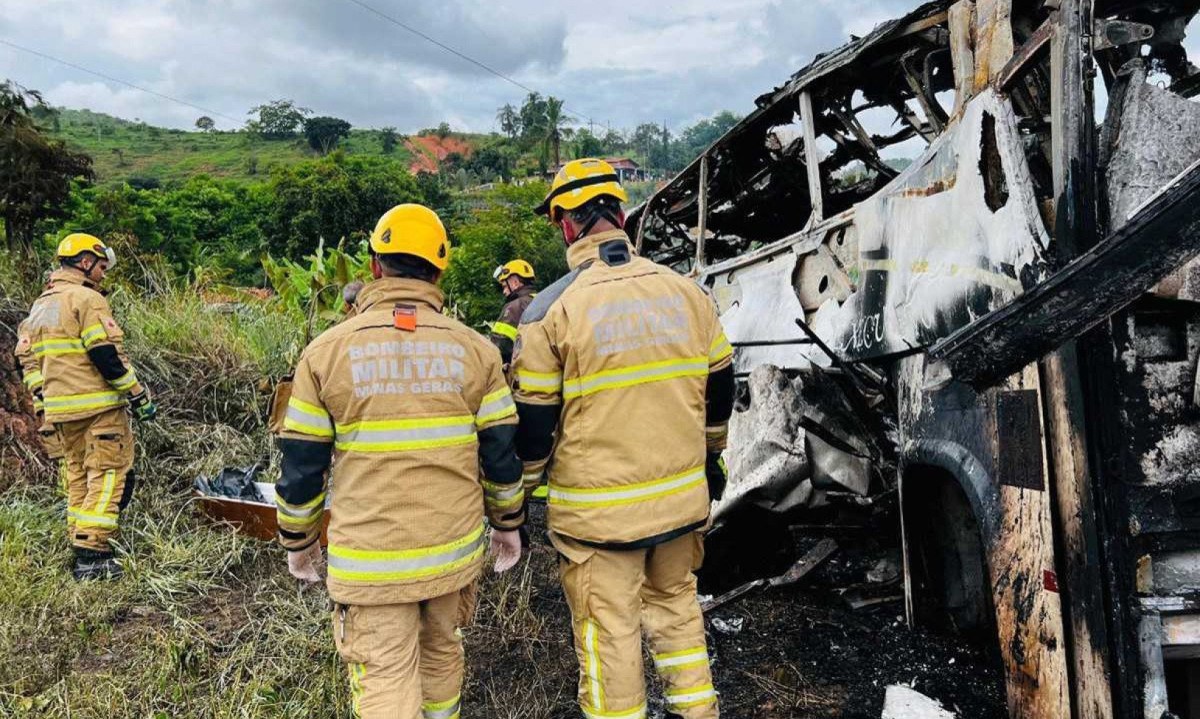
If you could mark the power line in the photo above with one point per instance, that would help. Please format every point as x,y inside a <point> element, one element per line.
<point>119,81</point>
<point>464,56</point>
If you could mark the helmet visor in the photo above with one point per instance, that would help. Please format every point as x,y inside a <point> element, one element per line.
<point>110,257</point>
<point>500,273</point>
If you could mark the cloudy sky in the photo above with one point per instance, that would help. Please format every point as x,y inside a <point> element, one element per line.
<point>621,62</point>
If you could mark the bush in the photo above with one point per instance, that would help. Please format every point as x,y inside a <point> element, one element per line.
<point>504,229</point>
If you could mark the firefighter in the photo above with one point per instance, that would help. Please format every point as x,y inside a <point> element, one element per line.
<point>408,406</point>
<point>516,282</point>
<point>624,390</point>
<point>70,350</point>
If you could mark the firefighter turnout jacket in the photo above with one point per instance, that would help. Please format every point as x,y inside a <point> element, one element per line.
<point>70,350</point>
<point>623,374</point>
<point>504,330</point>
<point>408,406</point>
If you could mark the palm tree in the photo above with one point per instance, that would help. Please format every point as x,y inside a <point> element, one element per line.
<point>557,128</point>
<point>510,121</point>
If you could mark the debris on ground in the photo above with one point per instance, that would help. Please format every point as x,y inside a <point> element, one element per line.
<point>903,702</point>
<point>233,482</point>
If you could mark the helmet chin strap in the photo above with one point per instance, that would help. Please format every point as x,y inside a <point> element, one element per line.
<point>570,235</point>
<point>568,231</point>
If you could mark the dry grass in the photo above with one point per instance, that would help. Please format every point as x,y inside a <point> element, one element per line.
<point>207,623</point>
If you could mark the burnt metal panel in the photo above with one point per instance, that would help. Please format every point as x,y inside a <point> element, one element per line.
<point>1163,235</point>
<point>1019,432</point>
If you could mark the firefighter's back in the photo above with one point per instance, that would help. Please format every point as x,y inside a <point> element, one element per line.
<point>72,387</point>
<point>634,341</point>
<point>403,388</point>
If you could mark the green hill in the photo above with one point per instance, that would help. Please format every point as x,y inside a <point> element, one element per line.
<point>144,154</point>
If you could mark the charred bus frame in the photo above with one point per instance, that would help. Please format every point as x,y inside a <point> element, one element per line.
<point>1025,290</point>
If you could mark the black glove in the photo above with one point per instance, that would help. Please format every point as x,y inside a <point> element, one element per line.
<point>714,470</point>
<point>144,409</point>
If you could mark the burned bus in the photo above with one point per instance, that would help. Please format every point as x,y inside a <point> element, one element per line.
<point>960,284</point>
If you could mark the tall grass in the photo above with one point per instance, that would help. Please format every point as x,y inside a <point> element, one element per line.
<point>207,623</point>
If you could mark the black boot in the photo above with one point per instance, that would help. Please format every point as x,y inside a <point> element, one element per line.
<point>90,564</point>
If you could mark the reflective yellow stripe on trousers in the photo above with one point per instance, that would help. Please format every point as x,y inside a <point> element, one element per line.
<point>91,519</point>
<point>628,493</point>
<point>680,660</point>
<point>635,375</point>
<point>691,696</point>
<point>358,672</point>
<point>382,566</point>
<point>448,709</point>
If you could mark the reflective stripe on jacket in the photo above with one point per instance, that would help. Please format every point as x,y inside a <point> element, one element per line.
<point>67,320</point>
<point>409,414</point>
<point>625,348</point>
<point>504,330</point>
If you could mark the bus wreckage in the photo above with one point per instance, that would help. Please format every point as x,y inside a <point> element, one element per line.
<point>995,345</point>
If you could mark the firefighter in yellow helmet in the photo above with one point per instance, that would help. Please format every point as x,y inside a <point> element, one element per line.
<point>70,350</point>
<point>516,282</point>
<point>624,389</point>
<point>415,409</point>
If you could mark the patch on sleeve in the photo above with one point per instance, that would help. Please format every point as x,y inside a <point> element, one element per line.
<point>110,324</point>
<point>23,345</point>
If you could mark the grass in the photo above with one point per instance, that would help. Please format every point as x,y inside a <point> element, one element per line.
<point>123,150</point>
<point>205,622</point>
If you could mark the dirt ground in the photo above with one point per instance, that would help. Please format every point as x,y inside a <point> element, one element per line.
<point>788,652</point>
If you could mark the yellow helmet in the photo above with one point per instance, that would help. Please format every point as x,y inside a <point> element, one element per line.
<point>579,181</point>
<point>520,268</point>
<point>412,230</point>
<point>77,243</point>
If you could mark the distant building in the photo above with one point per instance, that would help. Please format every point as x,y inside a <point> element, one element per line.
<point>627,169</point>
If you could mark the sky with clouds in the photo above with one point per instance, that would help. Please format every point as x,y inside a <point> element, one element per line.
<point>621,64</point>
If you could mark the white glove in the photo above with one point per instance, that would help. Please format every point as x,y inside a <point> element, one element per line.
<point>506,548</point>
<point>307,565</point>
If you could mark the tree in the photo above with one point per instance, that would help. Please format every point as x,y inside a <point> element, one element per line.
<point>503,228</point>
<point>336,196</point>
<point>510,121</point>
<point>555,128</point>
<point>36,173</point>
<point>204,123</point>
<point>324,132</point>
<point>388,140</point>
<point>697,138</point>
<point>443,130</point>
<point>645,136</point>
<point>532,119</point>
<point>587,145</point>
<point>278,119</point>
<point>488,163</point>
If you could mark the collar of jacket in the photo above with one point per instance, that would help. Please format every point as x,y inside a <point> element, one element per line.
<point>390,290</point>
<point>588,248</point>
<point>522,291</point>
<point>70,276</point>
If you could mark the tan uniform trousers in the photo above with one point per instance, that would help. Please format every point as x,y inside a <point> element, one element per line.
<point>405,660</point>
<point>613,596</point>
<point>97,457</point>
